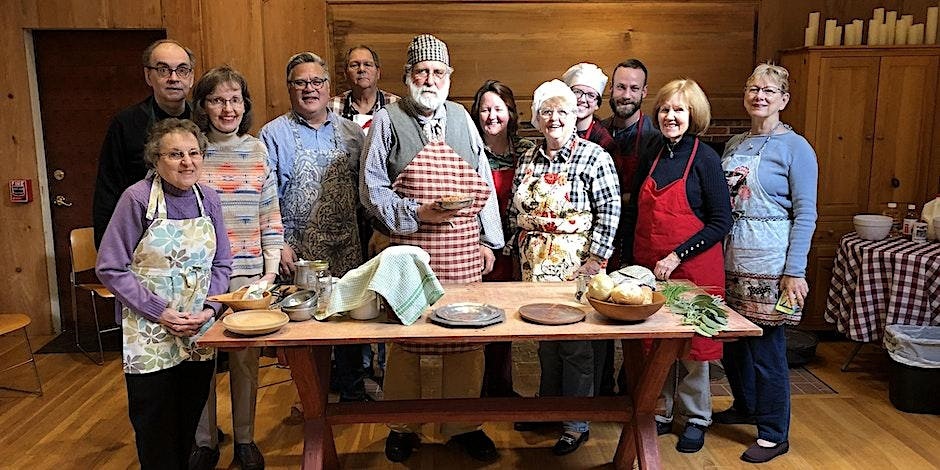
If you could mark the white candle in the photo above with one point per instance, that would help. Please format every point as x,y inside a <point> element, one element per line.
<point>883,34</point>
<point>837,37</point>
<point>849,34</point>
<point>930,36</point>
<point>809,38</point>
<point>859,24</point>
<point>873,32</point>
<point>813,20</point>
<point>915,34</point>
<point>830,32</point>
<point>900,32</point>
<point>891,24</point>
<point>879,15</point>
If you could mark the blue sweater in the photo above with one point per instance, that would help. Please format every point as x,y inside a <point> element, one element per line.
<point>788,173</point>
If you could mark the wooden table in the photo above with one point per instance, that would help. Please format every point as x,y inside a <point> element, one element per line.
<point>306,347</point>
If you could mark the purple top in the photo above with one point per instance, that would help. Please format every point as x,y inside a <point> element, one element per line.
<point>127,227</point>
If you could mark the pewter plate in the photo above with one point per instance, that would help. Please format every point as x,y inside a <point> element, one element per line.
<point>433,318</point>
<point>468,312</point>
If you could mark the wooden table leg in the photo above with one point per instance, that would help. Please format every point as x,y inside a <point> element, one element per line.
<point>310,369</point>
<point>639,440</point>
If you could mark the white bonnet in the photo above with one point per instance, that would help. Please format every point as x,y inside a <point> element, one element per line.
<point>547,91</point>
<point>586,74</point>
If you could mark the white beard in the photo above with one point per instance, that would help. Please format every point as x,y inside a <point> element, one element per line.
<point>428,96</point>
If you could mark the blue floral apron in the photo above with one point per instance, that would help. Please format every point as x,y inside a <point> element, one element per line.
<point>320,202</point>
<point>756,247</point>
<point>174,261</point>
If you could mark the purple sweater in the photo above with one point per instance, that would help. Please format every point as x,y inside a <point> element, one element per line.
<point>127,227</point>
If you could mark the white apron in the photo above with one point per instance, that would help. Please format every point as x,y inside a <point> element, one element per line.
<point>756,247</point>
<point>173,260</point>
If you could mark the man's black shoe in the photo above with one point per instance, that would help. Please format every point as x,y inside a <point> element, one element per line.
<point>567,443</point>
<point>399,445</point>
<point>249,457</point>
<point>478,445</point>
<point>203,458</point>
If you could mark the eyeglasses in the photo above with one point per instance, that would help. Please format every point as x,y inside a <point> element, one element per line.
<point>768,91</point>
<point>365,65</point>
<point>547,113</point>
<point>585,94</point>
<point>163,70</point>
<point>176,156</point>
<point>301,84</point>
<point>425,73</point>
<point>219,102</point>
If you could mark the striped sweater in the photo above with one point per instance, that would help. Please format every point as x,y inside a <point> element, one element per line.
<point>236,167</point>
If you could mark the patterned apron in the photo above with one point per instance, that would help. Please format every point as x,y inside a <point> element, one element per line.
<point>665,221</point>
<point>174,261</point>
<point>756,248</point>
<point>554,237</point>
<point>438,171</point>
<point>320,202</point>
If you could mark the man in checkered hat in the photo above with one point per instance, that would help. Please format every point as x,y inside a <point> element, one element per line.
<point>419,150</point>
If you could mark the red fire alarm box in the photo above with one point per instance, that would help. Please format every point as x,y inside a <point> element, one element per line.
<point>21,190</point>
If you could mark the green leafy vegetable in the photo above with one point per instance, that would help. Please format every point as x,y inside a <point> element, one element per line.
<point>705,312</point>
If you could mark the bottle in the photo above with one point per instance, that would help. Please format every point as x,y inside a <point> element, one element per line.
<point>910,219</point>
<point>892,211</point>
<point>324,284</point>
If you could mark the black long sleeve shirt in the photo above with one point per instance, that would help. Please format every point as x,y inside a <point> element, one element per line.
<point>706,190</point>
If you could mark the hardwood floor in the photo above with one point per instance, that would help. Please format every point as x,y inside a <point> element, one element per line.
<point>81,422</point>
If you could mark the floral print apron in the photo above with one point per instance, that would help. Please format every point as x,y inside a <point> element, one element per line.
<point>554,238</point>
<point>756,247</point>
<point>173,260</point>
<point>321,200</point>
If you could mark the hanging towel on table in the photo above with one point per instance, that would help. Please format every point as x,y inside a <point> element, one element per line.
<point>401,274</point>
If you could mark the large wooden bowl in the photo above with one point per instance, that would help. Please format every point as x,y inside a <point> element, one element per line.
<point>630,313</point>
<point>234,300</point>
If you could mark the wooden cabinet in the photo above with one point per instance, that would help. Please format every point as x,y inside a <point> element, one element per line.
<point>870,114</point>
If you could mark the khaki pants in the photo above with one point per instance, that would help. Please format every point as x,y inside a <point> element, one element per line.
<point>243,379</point>
<point>461,377</point>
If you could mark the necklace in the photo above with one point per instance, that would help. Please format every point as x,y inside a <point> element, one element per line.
<point>748,134</point>
<point>670,145</point>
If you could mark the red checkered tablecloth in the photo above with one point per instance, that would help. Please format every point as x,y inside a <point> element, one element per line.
<point>878,283</point>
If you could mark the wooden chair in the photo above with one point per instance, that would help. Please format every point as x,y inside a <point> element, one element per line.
<point>10,322</point>
<point>84,255</point>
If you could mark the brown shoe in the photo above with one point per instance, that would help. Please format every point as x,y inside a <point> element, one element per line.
<point>758,454</point>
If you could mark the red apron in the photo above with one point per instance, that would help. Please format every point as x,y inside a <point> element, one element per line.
<point>503,267</point>
<point>664,222</point>
<point>625,161</point>
<point>438,171</point>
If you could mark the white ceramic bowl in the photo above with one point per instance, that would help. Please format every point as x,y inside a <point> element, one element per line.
<point>872,227</point>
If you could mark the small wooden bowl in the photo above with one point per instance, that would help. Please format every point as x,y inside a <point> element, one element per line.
<point>234,300</point>
<point>631,313</point>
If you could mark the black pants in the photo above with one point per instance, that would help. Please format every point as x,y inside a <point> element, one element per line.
<point>164,408</point>
<point>497,370</point>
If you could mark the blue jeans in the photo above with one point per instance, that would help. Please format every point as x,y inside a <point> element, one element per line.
<point>567,371</point>
<point>757,371</point>
<point>367,356</point>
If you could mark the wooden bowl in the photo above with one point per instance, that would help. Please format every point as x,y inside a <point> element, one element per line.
<point>234,300</point>
<point>631,313</point>
<point>255,322</point>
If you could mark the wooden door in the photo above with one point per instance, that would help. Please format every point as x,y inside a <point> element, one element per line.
<point>844,129</point>
<point>85,78</point>
<point>907,89</point>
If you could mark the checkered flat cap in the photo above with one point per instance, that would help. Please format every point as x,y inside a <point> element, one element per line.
<point>427,47</point>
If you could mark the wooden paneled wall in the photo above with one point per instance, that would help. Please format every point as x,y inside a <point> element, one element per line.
<point>526,43</point>
<point>522,42</point>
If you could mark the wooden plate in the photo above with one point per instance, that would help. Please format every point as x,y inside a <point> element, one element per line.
<point>255,322</point>
<point>551,314</point>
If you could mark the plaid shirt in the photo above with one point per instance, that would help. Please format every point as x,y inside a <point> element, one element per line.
<point>594,187</point>
<point>342,103</point>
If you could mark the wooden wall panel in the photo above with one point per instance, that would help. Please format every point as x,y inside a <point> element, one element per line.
<point>233,35</point>
<point>182,20</point>
<point>22,251</point>
<point>91,14</point>
<point>525,44</point>
<point>139,14</point>
<point>290,26</point>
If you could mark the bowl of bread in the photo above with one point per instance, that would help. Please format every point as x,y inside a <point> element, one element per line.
<point>627,295</point>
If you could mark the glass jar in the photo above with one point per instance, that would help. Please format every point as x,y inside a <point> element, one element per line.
<point>324,284</point>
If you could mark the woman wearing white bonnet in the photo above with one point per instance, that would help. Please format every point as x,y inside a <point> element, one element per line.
<point>563,216</point>
<point>588,83</point>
